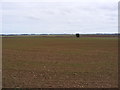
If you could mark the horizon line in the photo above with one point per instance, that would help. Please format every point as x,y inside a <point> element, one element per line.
<point>67,33</point>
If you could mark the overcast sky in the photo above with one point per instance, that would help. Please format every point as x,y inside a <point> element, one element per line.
<point>59,16</point>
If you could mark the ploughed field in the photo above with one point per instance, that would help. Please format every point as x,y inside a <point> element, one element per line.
<point>69,62</point>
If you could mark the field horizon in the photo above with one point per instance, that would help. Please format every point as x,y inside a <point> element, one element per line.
<point>90,61</point>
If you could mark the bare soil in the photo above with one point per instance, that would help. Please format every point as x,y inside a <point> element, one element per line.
<point>39,62</point>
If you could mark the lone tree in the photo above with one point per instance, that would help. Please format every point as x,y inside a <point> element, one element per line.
<point>77,35</point>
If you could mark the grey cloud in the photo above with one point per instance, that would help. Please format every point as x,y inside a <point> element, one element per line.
<point>60,17</point>
<point>32,17</point>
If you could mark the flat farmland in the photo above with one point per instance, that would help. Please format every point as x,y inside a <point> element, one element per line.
<point>56,62</point>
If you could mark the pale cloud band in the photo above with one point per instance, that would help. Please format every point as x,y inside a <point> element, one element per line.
<point>58,16</point>
<point>107,1</point>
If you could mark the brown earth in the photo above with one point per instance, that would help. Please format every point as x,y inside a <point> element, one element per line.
<point>39,62</point>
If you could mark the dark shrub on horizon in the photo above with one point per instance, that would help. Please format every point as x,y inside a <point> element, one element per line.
<point>77,35</point>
